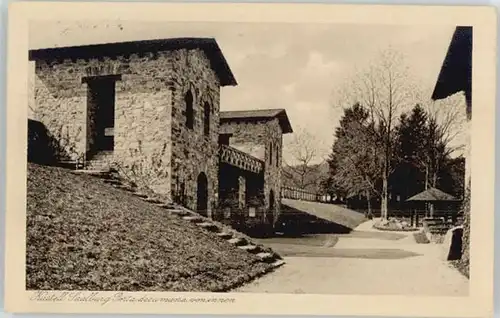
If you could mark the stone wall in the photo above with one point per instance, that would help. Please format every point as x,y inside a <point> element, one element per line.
<point>466,209</point>
<point>464,263</point>
<point>193,152</point>
<point>60,104</point>
<point>467,153</point>
<point>148,114</point>
<point>251,137</point>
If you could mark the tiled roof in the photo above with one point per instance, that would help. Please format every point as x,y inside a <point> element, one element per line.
<point>208,45</point>
<point>258,114</point>
<point>432,194</point>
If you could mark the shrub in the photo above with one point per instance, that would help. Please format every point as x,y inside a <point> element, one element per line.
<point>394,224</point>
<point>421,238</point>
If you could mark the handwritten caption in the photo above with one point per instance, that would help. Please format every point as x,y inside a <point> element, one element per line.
<point>104,298</point>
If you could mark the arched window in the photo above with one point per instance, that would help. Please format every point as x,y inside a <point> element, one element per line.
<point>188,99</point>
<point>206,119</point>
<point>202,194</point>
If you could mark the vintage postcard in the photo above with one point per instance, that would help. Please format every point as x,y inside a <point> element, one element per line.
<point>297,159</point>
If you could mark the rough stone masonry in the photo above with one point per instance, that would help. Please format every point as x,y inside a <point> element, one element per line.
<point>153,139</point>
<point>151,109</point>
<point>260,133</point>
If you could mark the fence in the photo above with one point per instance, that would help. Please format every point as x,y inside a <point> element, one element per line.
<point>300,194</point>
<point>417,216</point>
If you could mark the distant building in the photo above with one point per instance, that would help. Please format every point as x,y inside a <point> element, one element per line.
<point>151,109</point>
<point>258,133</point>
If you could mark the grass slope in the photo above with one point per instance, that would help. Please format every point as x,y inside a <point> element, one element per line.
<point>330,212</point>
<point>85,235</point>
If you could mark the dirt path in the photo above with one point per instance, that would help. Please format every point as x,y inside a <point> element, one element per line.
<point>366,262</point>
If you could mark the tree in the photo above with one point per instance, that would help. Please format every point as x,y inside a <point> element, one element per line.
<point>306,172</point>
<point>451,177</point>
<point>423,150</point>
<point>411,152</point>
<point>446,122</point>
<point>355,160</point>
<point>384,89</point>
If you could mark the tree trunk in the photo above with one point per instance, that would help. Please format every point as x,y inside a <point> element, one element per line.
<point>383,201</point>
<point>434,182</point>
<point>427,187</point>
<point>368,202</point>
<point>426,177</point>
<point>385,176</point>
<point>434,178</point>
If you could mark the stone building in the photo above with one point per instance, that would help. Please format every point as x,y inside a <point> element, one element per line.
<point>258,133</point>
<point>151,109</point>
<point>456,76</point>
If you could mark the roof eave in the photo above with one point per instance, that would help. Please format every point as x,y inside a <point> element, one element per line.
<point>286,126</point>
<point>217,60</point>
<point>280,114</point>
<point>455,74</point>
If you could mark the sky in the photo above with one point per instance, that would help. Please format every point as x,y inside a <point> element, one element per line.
<point>298,67</point>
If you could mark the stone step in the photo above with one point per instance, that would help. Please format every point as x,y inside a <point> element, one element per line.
<point>238,241</point>
<point>250,248</point>
<point>97,166</point>
<point>96,172</point>
<point>266,257</point>
<point>177,212</point>
<point>100,156</point>
<point>278,263</point>
<point>209,226</point>
<point>225,235</point>
<point>193,219</point>
<point>152,200</point>
<point>113,181</point>
<point>124,187</point>
<point>104,161</point>
<point>166,206</point>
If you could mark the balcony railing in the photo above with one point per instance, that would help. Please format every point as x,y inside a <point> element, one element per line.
<point>240,159</point>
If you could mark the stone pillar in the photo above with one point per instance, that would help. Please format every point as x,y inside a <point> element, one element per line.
<point>241,192</point>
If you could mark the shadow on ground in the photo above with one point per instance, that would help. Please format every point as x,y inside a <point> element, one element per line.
<point>296,223</point>
<point>382,254</point>
<point>390,236</point>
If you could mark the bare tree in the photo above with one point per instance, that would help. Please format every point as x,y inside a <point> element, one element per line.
<point>446,123</point>
<point>446,120</point>
<point>384,88</point>
<point>303,169</point>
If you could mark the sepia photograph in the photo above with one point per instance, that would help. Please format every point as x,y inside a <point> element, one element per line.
<point>242,158</point>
